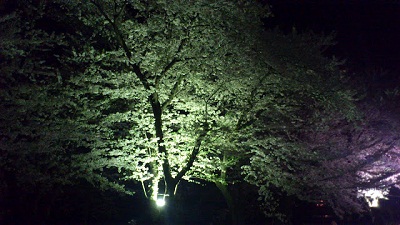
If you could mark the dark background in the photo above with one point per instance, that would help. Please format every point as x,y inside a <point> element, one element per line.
<point>367,32</point>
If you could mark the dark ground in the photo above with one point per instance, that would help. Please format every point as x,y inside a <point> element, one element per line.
<point>195,206</point>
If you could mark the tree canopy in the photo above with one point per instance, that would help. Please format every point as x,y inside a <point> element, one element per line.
<point>162,91</point>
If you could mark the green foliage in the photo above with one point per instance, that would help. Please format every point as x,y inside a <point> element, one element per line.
<point>23,94</point>
<point>38,133</point>
<point>151,90</point>
<point>154,78</point>
<point>307,95</point>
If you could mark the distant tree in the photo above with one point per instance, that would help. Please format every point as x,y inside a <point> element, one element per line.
<point>334,159</point>
<point>363,156</point>
<point>314,94</point>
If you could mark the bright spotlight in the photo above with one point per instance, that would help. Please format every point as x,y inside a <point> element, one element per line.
<point>160,202</point>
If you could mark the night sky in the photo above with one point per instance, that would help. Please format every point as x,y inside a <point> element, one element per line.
<point>368,32</point>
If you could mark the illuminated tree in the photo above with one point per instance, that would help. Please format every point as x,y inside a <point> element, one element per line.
<point>361,158</point>
<point>337,161</point>
<point>161,91</point>
<point>301,86</point>
<point>152,81</point>
<point>166,92</point>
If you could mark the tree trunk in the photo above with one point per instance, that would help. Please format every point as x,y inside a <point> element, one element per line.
<point>229,201</point>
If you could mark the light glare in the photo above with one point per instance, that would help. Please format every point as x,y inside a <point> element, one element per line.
<point>160,202</point>
<point>373,195</point>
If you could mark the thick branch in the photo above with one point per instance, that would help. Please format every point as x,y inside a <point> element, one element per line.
<point>155,104</point>
<point>371,144</point>
<point>193,155</point>
<point>157,111</point>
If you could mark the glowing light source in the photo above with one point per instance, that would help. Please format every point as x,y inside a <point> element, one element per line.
<point>372,196</point>
<point>160,202</point>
